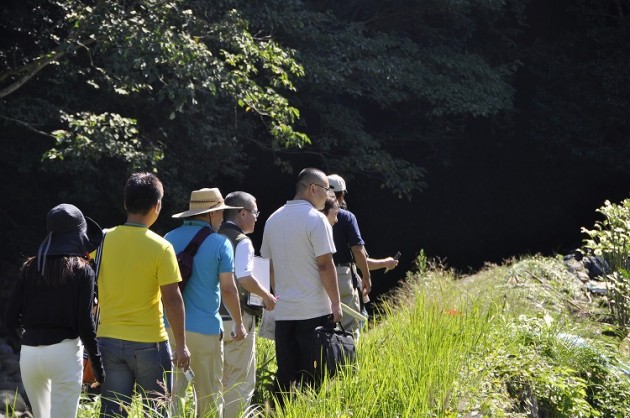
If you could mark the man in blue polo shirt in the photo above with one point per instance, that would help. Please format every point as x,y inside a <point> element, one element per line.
<point>212,278</point>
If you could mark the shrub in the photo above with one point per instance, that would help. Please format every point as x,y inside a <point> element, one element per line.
<point>610,239</point>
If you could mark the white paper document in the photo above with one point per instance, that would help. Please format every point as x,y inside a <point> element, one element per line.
<point>262,274</point>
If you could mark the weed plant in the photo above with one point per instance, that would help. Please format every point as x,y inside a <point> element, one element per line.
<point>610,238</point>
<point>498,344</point>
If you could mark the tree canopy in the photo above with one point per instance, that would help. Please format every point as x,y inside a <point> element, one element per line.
<point>378,90</point>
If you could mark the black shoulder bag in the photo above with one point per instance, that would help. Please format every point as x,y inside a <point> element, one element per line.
<point>333,348</point>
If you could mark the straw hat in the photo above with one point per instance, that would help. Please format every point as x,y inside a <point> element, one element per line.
<point>69,233</point>
<point>204,201</point>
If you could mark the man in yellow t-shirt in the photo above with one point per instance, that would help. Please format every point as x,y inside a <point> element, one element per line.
<point>138,274</point>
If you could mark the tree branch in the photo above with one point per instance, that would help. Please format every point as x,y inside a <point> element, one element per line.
<point>31,69</point>
<point>27,126</point>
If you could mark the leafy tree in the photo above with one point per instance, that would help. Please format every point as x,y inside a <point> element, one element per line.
<point>389,82</point>
<point>98,87</point>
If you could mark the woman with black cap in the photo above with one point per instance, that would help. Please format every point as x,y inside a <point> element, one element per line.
<point>52,304</point>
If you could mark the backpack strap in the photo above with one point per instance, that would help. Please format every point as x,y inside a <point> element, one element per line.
<point>97,269</point>
<point>197,240</point>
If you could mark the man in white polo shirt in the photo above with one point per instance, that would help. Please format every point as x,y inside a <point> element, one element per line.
<point>298,241</point>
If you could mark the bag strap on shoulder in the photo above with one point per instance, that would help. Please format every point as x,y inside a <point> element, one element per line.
<point>197,240</point>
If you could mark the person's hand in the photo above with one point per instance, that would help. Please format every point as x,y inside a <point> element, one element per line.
<point>366,285</point>
<point>238,332</point>
<point>337,313</point>
<point>269,301</point>
<point>390,263</point>
<point>181,357</point>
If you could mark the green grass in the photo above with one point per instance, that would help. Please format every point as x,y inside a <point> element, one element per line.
<point>515,340</point>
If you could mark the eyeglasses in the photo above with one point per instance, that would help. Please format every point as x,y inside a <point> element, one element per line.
<point>325,188</point>
<point>255,213</point>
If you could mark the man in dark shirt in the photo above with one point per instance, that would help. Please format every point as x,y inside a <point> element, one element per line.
<point>350,250</point>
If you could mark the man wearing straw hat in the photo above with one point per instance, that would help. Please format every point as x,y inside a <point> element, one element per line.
<point>138,279</point>
<point>212,278</point>
<point>298,241</point>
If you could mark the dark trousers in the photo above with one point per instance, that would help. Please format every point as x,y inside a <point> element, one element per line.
<point>294,352</point>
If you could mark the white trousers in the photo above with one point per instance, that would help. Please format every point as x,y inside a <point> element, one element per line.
<point>239,369</point>
<point>52,377</point>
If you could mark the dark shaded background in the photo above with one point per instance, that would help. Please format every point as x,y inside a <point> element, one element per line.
<point>518,182</point>
<point>492,202</point>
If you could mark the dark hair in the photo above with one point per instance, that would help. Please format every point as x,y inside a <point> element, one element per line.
<point>58,270</point>
<point>142,192</point>
<point>331,202</point>
<point>308,176</point>
<point>338,196</point>
<point>239,199</point>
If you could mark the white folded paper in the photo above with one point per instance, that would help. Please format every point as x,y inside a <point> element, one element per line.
<point>349,311</point>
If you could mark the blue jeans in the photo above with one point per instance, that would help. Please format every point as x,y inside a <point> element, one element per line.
<point>129,363</point>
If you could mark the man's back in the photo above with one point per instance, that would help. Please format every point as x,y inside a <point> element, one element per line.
<point>346,233</point>
<point>135,263</point>
<point>202,293</point>
<point>294,236</point>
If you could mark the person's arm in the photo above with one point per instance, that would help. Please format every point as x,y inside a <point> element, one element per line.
<point>328,276</point>
<point>382,263</point>
<point>244,272</point>
<point>176,315</point>
<point>272,279</point>
<point>361,260</point>
<point>13,313</point>
<point>87,328</point>
<point>252,285</point>
<point>229,295</point>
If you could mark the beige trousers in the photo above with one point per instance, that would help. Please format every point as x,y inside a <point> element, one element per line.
<point>239,369</point>
<point>206,361</point>
<point>350,296</point>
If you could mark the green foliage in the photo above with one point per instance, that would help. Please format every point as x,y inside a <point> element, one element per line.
<point>92,137</point>
<point>610,239</point>
<point>619,297</point>
<point>384,79</point>
<point>533,364</point>
<point>441,351</point>
<point>526,357</point>
<point>147,83</point>
<point>265,372</point>
<point>407,364</point>
<point>542,284</point>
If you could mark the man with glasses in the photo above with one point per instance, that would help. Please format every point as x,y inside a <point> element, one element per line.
<point>239,357</point>
<point>298,241</point>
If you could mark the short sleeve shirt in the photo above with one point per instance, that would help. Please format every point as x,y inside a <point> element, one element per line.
<point>202,296</point>
<point>244,259</point>
<point>295,235</point>
<point>135,263</point>
<point>346,234</point>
